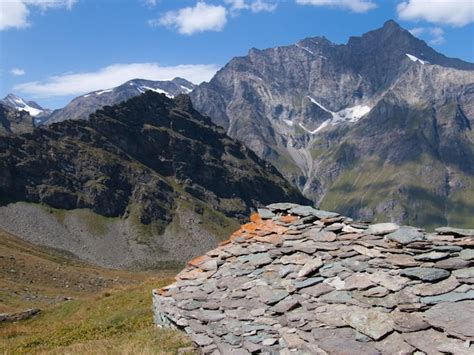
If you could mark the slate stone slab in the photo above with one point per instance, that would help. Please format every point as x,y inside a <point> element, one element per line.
<point>448,297</point>
<point>406,235</point>
<point>425,273</point>
<point>382,228</point>
<point>455,318</point>
<point>369,322</point>
<point>284,285</point>
<point>265,213</point>
<point>456,231</point>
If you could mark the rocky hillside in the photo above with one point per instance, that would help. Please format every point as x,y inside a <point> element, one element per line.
<point>82,106</point>
<point>379,128</point>
<point>301,280</point>
<point>138,184</point>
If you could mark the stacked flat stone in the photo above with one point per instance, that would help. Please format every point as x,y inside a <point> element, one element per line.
<point>305,281</point>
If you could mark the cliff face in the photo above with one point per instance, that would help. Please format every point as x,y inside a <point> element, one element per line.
<point>151,161</point>
<point>379,128</point>
<point>305,280</point>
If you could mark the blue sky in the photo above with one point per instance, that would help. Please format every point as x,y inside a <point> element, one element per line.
<point>54,50</point>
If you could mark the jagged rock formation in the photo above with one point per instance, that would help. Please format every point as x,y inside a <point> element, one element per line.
<point>379,128</point>
<point>148,175</point>
<point>314,282</point>
<point>82,106</point>
<point>14,121</point>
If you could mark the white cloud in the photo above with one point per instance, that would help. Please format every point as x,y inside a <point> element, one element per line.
<point>111,76</point>
<point>450,12</point>
<point>189,20</point>
<point>17,72</point>
<point>253,5</point>
<point>358,6</point>
<point>436,34</point>
<point>14,13</point>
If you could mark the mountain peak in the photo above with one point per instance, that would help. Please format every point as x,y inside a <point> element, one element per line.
<point>392,24</point>
<point>19,104</point>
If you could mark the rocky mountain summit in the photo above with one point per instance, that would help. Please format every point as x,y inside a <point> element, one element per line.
<point>82,106</point>
<point>22,105</point>
<point>300,280</point>
<point>378,128</point>
<point>147,175</point>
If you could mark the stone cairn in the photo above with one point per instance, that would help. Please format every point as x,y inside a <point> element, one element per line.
<point>296,280</point>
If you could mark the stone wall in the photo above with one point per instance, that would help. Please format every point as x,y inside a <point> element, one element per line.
<point>310,281</point>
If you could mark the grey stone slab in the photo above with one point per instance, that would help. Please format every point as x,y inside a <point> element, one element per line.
<point>338,297</point>
<point>310,267</point>
<point>265,213</point>
<point>456,231</point>
<point>466,273</point>
<point>369,322</point>
<point>408,321</point>
<point>281,207</point>
<point>452,264</point>
<point>382,228</point>
<point>432,256</point>
<point>429,341</point>
<point>448,297</point>
<point>426,274</point>
<point>467,254</point>
<point>341,341</point>
<point>438,288</point>
<point>307,282</point>
<point>406,235</point>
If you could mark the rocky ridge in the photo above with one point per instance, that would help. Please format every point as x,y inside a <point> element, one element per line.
<point>82,106</point>
<point>379,128</point>
<point>305,280</point>
<point>142,182</point>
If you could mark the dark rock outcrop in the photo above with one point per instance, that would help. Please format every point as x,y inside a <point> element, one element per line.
<point>151,171</point>
<point>14,121</point>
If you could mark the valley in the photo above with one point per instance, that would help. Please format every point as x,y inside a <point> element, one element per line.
<point>83,308</point>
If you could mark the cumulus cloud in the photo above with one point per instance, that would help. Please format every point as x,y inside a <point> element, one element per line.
<point>436,34</point>
<point>450,12</point>
<point>359,6</point>
<point>17,72</point>
<point>14,13</point>
<point>113,75</point>
<point>189,20</point>
<point>253,5</point>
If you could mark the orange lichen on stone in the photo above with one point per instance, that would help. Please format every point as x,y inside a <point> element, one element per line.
<point>288,219</point>
<point>255,217</point>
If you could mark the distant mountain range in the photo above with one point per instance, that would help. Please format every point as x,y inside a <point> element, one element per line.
<point>81,107</point>
<point>379,128</point>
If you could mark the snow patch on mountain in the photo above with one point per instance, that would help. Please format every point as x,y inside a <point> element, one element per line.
<point>159,91</point>
<point>21,105</point>
<point>416,59</point>
<point>103,91</point>
<point>349,114</point>
<point>304,48</point>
